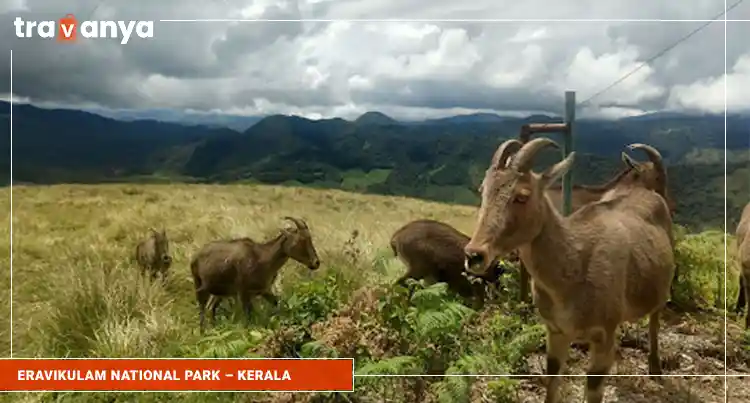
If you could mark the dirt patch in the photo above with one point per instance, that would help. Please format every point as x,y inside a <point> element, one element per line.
<point>738,389</point>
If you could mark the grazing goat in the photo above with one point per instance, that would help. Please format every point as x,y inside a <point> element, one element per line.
<point>248,269</point>
<point>743,252</point>
<point>434,251</point>
<point>610,262</point>
<point>645,174</point>
<point>152,254</point>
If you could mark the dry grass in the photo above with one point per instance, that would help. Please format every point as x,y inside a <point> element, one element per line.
<point>67,238</point>
<point>78,293</point>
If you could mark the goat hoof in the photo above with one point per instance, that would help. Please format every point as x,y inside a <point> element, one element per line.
<point>654,368</point>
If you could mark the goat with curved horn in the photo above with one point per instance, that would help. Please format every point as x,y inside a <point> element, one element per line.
<point>245,269</point>
<point>610,262</point>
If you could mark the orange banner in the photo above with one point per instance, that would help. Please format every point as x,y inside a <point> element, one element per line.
<point>290,375</point>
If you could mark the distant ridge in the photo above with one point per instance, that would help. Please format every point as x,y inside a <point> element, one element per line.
<point>438,159</point>
<point>375,118</point>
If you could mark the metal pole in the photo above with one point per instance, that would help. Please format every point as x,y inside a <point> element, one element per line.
<point>567,180</point>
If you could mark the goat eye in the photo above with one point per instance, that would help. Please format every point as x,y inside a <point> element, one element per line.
<point>521,198</point>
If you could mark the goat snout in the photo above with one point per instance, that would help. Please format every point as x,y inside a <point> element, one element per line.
<point>476,260</point>
<point>314,265</point>
<point>166,259</point>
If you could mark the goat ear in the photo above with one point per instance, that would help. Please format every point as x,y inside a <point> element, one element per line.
<point>555,172</point>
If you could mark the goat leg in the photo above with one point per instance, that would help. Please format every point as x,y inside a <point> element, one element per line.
<point>601,360</point>
<point>741,298</point>
<point>654,361</point>
<point>557,357</point>
<point>203,297</point>
<point>525,282</point>
<point>247,305</point>
<point>674,284</point>
<point>213,303</point>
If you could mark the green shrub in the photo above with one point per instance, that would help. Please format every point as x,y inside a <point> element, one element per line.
<point>700,260</point>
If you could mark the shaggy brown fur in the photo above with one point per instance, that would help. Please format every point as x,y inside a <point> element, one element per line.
<point>434,251</point>
<point>248,269</point>
<point>152,254</point>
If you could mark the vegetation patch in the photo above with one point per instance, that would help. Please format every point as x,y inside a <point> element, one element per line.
<point>77,293</point>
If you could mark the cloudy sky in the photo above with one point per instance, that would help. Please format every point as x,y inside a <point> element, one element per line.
<point>408,70</point>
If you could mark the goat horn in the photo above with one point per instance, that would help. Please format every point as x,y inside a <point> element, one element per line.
<point>524,158</point>
<point>298,222</point>
<point>503,151</point>
<point>629,160</point>
<point>653,155</point>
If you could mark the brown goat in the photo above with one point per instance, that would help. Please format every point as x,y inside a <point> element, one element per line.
<point>646,174</point>
<point>152,254</point>
<point>248,269</point>
<point>610,262</point>
<point>434,251</point>
<point>743,252</point>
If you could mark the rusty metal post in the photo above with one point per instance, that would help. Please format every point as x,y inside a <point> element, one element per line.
<point>567,180</point>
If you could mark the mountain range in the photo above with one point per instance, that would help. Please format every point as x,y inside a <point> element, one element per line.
<point>438,159</point>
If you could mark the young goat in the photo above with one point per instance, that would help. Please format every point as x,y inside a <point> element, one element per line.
<point>743,252</point>
<point>434,251</point>
<point>610,262</point>
<point>248,269</point>
<point>152,254</point>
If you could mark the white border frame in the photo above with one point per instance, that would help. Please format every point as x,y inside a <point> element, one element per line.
<point>726,272</point>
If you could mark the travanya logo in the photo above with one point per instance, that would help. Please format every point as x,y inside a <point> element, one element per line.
<point>68,29</point>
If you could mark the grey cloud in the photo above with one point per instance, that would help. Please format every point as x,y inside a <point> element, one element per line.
<point>529,9</point>
<point>244,38</point>
<point>326,68</point>
<point>458,94</point>
<point>700,55</point>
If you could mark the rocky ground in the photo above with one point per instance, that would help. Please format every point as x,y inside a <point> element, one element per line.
<point>692,346</point>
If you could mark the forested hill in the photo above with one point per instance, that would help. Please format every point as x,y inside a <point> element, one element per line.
<point>440,159</point>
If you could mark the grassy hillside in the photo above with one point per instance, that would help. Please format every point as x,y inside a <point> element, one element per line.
<point>78,294</point>
<point>440,160</point>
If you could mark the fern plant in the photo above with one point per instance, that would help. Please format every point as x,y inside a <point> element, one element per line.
<point>311,301</point>
<point>458,389</point>
<point>369,375</point>
<point>225,343</point>
<point>429,323</point>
